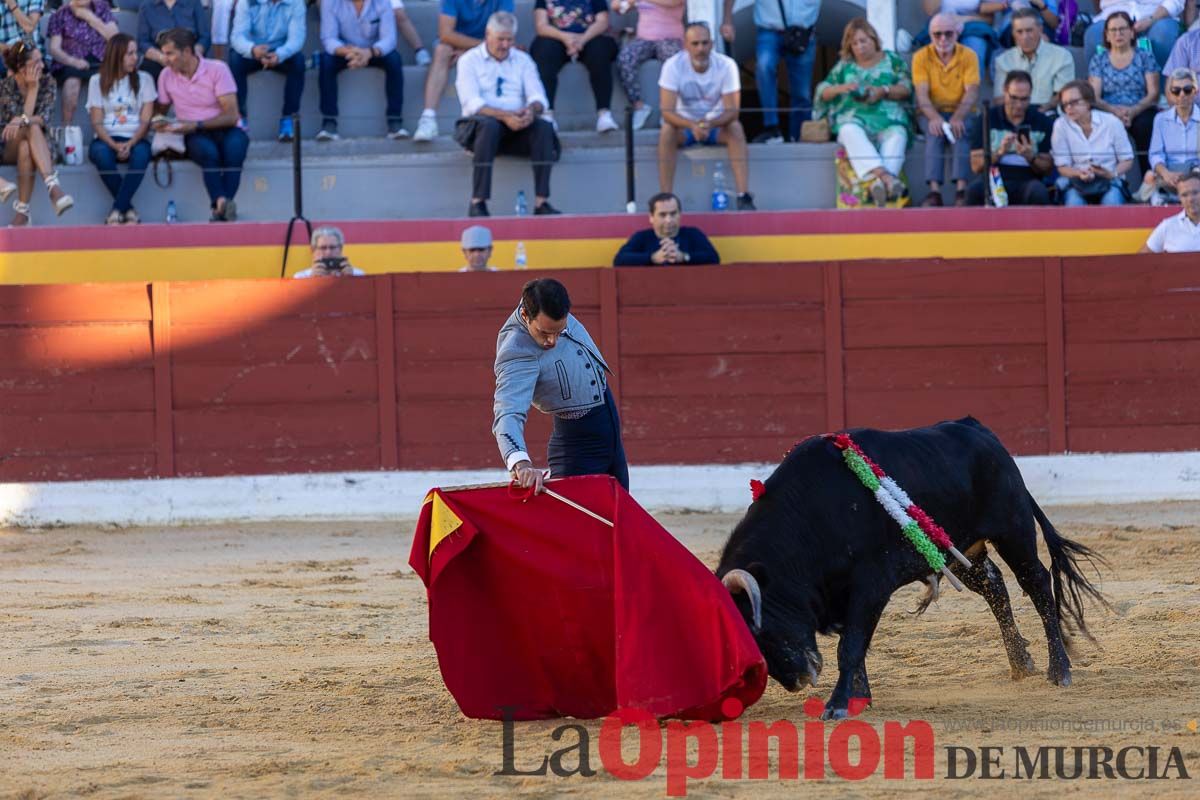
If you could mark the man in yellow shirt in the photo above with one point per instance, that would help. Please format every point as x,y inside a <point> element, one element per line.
<point>946,81</point>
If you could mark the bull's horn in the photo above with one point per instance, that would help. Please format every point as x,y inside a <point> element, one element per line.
<point>739,580</point>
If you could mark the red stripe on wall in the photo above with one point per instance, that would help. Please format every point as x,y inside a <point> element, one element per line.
<point>602,226</point>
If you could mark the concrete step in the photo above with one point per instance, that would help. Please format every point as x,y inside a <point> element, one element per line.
<point>380,179</point>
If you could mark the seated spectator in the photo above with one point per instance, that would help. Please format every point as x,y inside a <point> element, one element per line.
<point>1048,19</point>
<point>701,96</point>
<point>1090,149</point>
<point>20,19</point>
<point>269,34</point>
<point>1175,142</point>
<point>1125,81</point>
<point>1051,67</point>
<point>946,82</point>
<point>405,28</point>
<point>771,18</point>
<point>205,99</point>
<point>27,86</point>
<point>78,32</point>
<point>659,35</point>
<point>1186,50</point>
<point>327,258</point>
<point>477,249</point>
<point>1157,20</point>
<point>975,20</point>
<point>502,104</point>
<point>354,39</point>
<point>866,96</point>
<point>665,241</point>
<point>120,100</point>
<point>155,17</point>
<point>1179,233</point>
<point>1019,140</point>
<point>461,27</point>
<point>570,30</point>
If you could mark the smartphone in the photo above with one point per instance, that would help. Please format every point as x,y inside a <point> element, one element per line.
<point>1025,132</point>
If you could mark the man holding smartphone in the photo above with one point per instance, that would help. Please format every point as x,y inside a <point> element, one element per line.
<point>327,258</point>
<point>1019,142</point>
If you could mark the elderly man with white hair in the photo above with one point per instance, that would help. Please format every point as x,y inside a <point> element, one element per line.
<point>945,77</point>
<point>502,105</point>
<point>1175,141</point>
<point>328,261</point>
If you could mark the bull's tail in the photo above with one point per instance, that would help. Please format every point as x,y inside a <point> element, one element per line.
<point>1065,556</point>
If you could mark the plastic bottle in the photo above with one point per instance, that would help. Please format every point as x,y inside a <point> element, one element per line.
<point>522,260</point>
<point>720,189</point>
<point>172,213</point>
<point>522,206</point>
<point>999,193</point>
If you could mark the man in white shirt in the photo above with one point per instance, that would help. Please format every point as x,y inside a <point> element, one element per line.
<point>1179,233</point>
<point>700,94</point>
<point>503,101</point>
<point>327,258</point>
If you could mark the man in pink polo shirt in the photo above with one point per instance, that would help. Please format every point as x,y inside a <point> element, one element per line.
<point>206,113</point>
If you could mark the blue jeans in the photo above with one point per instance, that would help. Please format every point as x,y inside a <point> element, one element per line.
<point>1113,197</point>
<point>1162,36</point>
<point>391,64</point>
<point>121,187</point>
<point>293,87</point>
<point>220,154</point>
<point>800,73</point>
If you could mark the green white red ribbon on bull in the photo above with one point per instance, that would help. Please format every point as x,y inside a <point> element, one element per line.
<point>916,525</point>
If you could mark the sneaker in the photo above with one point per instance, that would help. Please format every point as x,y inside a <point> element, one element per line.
<point>549,117</point>
<point>479,209</point>
<point>423,57</point>
<point>745,202</point>
<point>605,122</point>
<point>397,131</point>
<point>641,116</point>
<point>113,218</point>
<point>933,199</point>
<point>545,208</point>
<point>427,129</point>
<point>960,198</point>
<point>287,129</point>
<point>769,136</point>
<point>879,193</point>
<point>328,132</point>
<point>131,217</point>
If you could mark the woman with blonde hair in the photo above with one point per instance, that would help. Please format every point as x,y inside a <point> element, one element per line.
<point>866,97</point>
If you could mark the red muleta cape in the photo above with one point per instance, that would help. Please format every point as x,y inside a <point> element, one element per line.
<point>535,606</point>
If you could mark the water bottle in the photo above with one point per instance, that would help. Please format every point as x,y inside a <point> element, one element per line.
<point>999,193</point>
<point>522,260</point>
<point>172,213</point>
<point>720,189</point>
<point>522,206</point>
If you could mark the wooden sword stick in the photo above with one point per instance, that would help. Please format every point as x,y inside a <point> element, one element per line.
<point>575,505</point>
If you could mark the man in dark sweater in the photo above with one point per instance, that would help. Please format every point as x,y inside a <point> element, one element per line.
<point>666,242</point>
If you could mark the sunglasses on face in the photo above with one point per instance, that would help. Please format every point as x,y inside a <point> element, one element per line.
<point>1178,90</point>
<point>941,34</point>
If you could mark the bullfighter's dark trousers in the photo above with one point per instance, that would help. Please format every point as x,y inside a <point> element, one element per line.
<point>590,445</point>
<point>493,136</point>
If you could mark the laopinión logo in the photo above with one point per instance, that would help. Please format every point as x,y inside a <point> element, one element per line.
<point>743,750</point>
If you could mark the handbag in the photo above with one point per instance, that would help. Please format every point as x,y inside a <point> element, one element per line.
<point>166,144</point>
<point>795,37</point>
<point>816,130</point>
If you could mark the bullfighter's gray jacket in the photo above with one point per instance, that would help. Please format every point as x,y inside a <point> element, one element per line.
<point>565,380</point>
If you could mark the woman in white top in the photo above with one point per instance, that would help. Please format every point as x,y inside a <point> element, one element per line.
<point>1091,150</point>
<point>121,103</point>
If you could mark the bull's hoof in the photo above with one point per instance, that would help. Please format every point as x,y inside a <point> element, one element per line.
<point>1023,667</point>
<point>835,713</point>
<point>1059,677</point>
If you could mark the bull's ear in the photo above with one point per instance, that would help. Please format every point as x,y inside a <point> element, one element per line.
<point>759,571</point>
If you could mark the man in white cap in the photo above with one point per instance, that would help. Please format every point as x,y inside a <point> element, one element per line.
<point>477,249</point>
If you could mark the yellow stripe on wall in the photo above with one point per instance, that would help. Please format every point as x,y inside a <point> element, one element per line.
<point>215,263</point>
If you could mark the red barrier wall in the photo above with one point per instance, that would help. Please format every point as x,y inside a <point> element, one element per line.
<point>719,364</point>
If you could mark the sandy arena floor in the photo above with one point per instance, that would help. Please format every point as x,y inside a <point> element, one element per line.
<point>291,660</point>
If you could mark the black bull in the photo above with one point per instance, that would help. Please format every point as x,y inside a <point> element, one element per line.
<point>817,553</point>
